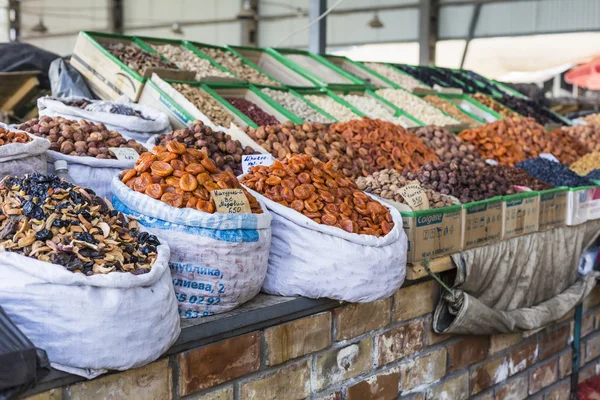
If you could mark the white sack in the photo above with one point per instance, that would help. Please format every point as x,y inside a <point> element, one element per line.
<point>218,261</point>
<point>18,159</point>
<point>315,260</point>
<point>132,127</point>
<point>90,172</point>
<point>91,324</point>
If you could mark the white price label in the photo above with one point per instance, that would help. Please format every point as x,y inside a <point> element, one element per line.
<point>255,159</point>
<point>491,162</point>
<point>125,153</point>
<point>548,156</point>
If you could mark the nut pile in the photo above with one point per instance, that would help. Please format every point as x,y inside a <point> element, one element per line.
<point>332,107</point>
<point>588,135</point>
<point>321,193</point>
<point>373,109</point>
<point>205,103</point>
<point>52,220</point>
<point>218,146</point>
<point>517,176</point>
<point>451,109</point>
<point>462,180</point>
<point>252,111</point>
<point>418,108</point>
<point>296,106</point>
<point>236,65</point>
<point>181,176</point>
<point>553,173</point>
<point>383,145</point>
<point>136,58</point>
<point>8,137</point>
<point>586,164</point>
<point>448,146</point>
<point>406,81</point>
<point>387,184</point>
<point>312,139</point>
<point>79,138</point>
<point>492,104</point>
<point>186,60</point>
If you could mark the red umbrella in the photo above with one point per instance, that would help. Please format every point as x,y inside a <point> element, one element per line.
<point>586,75</point>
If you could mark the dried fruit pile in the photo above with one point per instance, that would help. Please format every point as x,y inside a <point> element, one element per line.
<point>321,193</point>
<point>236,65</point>
<point>7,137</point>
<point>529,108</point>
<point>136,58</point>
<point>553,173</point>
<point>451,109</point>
<point>188,61</point>
<point>373,109</point>
<point>592,119</point>
<point>312,139</point>
<point>492,104</point>
<point>517,176</point>
<point>218,146</point>
<point>588,135</point>
<point>387,184</point>
<point>296,106</point>
<point>383,145</point>
<point>417,107</point>
<point>181,177</point>
<point>52,220</point>
<point>464,181</point>
<point>205,103</point>
<point>79,138</point>
<point>446,145</point>
<point>586,164</point>
<point>254,112</point>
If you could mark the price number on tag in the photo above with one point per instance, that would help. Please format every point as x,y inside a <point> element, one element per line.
<point>125,153</point>
<point>255,159</point>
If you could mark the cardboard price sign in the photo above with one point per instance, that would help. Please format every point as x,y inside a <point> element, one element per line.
<point>415,196</point>
<point>231,201</point>
<point>125,153</point>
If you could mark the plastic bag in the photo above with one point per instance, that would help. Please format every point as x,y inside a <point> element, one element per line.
<point>65,81</point>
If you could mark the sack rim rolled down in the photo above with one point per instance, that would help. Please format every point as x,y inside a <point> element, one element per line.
<point>17,151</point>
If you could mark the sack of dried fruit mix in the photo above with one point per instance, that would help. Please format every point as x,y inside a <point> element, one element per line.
<point>218,261</point>
<point>88,149</point>
<point>21,153</point>
<point>329,238</point>
<point>94,301</point>
<point>133,121</point>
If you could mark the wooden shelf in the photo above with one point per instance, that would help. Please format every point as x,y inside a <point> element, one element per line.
<point>417,270</point>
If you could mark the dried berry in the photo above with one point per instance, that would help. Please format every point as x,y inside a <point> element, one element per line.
<point>254,112</point>
<point>553,173</point>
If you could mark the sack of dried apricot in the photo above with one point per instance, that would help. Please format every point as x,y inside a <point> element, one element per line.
<point>218,260</point>
<point>329,238</point>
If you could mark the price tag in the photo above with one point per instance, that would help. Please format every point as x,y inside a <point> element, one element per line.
<point>548,156</point>
<point>125,153</point>
<point>255,159</point>
<point>231,201</point>
<point>415,196</point>
<point>491,162</point>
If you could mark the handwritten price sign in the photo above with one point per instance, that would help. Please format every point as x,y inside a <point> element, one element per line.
<point>231,201</point>
<point>255,159</point>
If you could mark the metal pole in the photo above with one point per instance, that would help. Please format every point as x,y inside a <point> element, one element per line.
<point>14,20</point>
<point>317,34</point>
<point>471,34</point>
<point>116,16</point>
<point>576,350</point>
<point>249,24</point>
<point>428,31</point>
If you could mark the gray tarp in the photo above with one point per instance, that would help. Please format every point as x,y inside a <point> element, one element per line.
<point>519,284</point>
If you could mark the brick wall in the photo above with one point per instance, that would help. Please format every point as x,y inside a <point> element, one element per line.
<point>380,350</point>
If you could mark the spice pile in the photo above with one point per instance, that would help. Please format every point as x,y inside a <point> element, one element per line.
<point>451,109</point>
<point>252,111</point>
<point>296,106</point>
<point>418,108</point>
<point>181,177</point>
<point>8,137</point>
<point>517,176</point>
<point>218,146</point>
<point>588,135</point>
<point>236,65</point>
<point>312,139</point>
<point>492,104</point>
<point>186,60</point>
<point>136,58</point>
<point>448,146</point>
<point>373,109</point>
<point>79,138</point>
<point>387,184</point>
<point>205,103</point>
<point>586,164</point>
<point>406,81</point>
<point>553,173</point>
<point>332,107</point>
<point>321,193</point>
<point>384,145</point>
<point>52,220</point>
<point>462,180</point>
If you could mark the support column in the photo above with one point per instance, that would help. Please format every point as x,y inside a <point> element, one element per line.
<point>249,23</point>
<point>116,16</point>
<point>471,34</point>
<point>317,34</point>
<point>14,20</point>
<point>428,31</point>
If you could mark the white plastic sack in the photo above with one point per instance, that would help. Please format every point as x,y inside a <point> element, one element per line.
<point>90,172</point>
<point>132,127</point>
<point>18,159</point>
<point>91,324</point>
<point>218,261</point>
<point>315,260</point>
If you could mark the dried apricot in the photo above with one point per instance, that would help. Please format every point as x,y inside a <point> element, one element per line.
<point>128,174</point>
<point>155,191</point>
<point>161,168</point>
<point>172,199</point>
<point>175,147</point>
<point>195,168</point>
<point>188,182</point>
